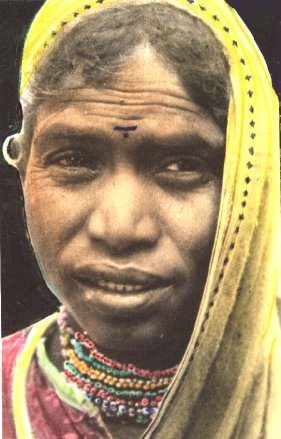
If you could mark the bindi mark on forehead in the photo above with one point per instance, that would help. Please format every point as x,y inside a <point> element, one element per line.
<point>125,130</point>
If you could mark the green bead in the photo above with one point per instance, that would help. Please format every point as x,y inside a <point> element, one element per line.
<point>110,413</point>
<point>139,393</point>
<point>147,394</point>
<point>111,390</point>
<point>141,419</point>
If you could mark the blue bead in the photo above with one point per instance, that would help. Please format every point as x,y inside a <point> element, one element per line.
<point>98,401</point>
<point>131,412</point>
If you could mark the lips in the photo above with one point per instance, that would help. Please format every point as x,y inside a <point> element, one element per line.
<point>120,280</point>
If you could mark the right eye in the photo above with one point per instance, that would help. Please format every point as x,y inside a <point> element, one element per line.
<point>74,159</point>
<point>75,164</point>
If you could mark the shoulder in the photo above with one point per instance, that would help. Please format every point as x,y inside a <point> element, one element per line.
<point>11,348</point>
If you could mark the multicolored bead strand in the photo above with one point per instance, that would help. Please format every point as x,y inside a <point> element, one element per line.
<point>121,391</point>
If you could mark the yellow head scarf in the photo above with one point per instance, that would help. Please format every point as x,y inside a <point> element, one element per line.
<point>229,382</point>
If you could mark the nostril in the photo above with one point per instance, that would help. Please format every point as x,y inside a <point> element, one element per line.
<point>125,233</point>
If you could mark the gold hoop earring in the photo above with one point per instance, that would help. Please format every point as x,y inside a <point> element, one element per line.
<point>6,148</point>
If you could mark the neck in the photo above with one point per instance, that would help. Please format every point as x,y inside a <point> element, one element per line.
<point>164,356</point>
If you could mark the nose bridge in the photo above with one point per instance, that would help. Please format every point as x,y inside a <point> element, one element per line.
<point>124,214</point>
<point>125,196</point>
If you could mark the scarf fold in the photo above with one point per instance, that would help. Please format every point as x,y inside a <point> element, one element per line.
<point>229,381</point>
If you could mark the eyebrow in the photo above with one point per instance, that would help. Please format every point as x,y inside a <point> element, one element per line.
<point>185,141</point>
<point>61,132</point>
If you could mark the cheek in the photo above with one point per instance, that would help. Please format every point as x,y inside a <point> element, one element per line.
<point>191,223</point>
<point>51,217</point>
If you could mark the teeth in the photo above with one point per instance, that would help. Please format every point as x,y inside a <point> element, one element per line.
<point>119,287</point>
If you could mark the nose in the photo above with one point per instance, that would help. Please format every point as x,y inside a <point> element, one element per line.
<point>124,217</point>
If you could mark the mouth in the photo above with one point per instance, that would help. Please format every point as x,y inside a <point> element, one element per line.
<point>119,287</point>
<point>120,280</point>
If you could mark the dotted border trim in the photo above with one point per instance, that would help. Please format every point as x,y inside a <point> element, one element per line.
<point>245,194</point>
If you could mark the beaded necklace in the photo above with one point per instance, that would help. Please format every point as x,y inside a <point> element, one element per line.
<point>122,391</point>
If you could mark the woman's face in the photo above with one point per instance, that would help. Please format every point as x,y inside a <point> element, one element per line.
<point>122,193</point>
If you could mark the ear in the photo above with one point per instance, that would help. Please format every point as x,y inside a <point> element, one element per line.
<point>12,150</point>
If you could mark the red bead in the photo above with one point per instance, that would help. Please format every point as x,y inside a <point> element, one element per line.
<point>94,390</point>
<point>158,398</point>
<point>144,402</point>
<point>87,386</point>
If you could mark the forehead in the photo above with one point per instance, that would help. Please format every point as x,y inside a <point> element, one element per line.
<point>146,93</point>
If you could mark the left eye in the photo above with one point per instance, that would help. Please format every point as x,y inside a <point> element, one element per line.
<point>183,165</point>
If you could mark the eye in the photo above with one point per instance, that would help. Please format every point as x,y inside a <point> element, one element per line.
<point>73,159</point>
<point>183,171</point>
<point>184,164</point>
<point>73,165</point>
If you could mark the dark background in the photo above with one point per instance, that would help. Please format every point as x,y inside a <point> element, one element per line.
<point>25,298</point>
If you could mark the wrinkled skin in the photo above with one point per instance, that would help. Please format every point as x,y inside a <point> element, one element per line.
<point>96,198</point>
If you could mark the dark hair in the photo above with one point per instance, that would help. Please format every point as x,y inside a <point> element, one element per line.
<point>97,45</point>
